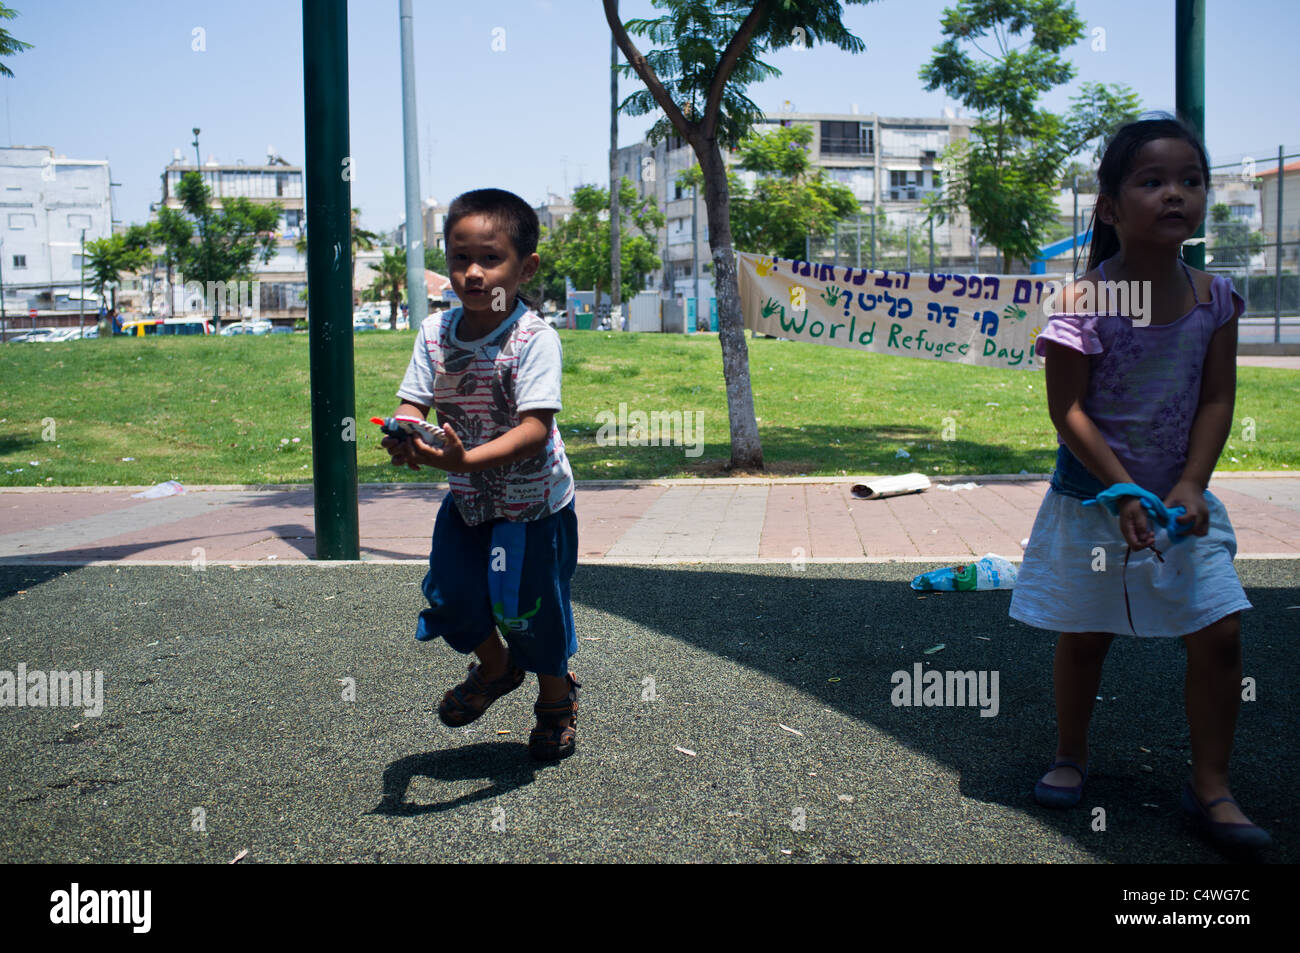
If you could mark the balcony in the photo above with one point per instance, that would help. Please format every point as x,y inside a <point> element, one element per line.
<point>847,146</point>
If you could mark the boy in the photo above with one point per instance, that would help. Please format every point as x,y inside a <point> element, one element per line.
<point>505,542</point>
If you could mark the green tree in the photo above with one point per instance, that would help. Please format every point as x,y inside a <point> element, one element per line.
<point>791,200</point>
<point>1231,242</point>
<point>1005,174</point>
<point>390,283</point>
<point>9,44</point>
<point>108,258</point>
<point>579,247</point>
<point>435,259</point>
<point>224,250</point>
<point>709,54</point>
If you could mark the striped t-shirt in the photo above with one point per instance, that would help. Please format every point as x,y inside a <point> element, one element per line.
<point>481,387</point>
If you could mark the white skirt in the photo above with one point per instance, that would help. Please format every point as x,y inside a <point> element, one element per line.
<point>1073,575</point>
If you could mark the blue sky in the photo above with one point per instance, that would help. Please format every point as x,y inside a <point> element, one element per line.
<point>121,81</point>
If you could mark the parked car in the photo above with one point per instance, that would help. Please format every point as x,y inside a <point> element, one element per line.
<point>281,329</point>
<point>34,335</point>
<point>260,326</point>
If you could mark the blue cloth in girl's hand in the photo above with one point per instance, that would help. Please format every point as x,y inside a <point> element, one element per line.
<point>1156,511</point>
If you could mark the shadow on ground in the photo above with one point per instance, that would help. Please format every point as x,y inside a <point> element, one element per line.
<point>229,680</point>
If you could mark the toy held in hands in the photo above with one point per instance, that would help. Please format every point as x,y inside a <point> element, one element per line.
<point>403,426</point>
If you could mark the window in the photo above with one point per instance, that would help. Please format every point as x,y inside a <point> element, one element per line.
<point>677,191</point>
<point>845,138</point>
<point>20,220</point>
<point>860,180</point>
<point>78,221</point>
<point>20,261</point>
<point>904,185</point>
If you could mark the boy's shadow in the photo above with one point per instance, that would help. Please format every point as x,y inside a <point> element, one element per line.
<point>506,765</point>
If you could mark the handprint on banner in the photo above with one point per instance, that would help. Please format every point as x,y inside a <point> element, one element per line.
<point>1011,311</point>
<point>771,306</point>
<point>831,294</point>
<point>764,265</point>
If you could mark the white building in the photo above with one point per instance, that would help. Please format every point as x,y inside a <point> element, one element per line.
<point>48,202</point>
<point>284,278</point>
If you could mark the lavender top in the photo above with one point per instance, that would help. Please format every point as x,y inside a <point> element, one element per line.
<point>1144,383</point>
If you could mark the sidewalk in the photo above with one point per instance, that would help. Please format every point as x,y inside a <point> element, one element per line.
<point>629,522</point>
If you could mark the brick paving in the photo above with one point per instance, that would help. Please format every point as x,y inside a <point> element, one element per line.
<point>686,521</point>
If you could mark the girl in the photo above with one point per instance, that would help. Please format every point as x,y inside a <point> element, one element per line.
<point>1145,401</point>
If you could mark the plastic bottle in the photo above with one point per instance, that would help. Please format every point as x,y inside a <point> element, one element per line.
<point>989,572</point>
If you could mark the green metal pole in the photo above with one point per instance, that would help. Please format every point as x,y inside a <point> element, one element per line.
<point>329,269</point>
<point>1189,89</point>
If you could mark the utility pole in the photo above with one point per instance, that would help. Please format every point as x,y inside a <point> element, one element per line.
<point>695,259</point>
<point>4,320</point>
<point>329,267</point>
<point>1074,242</point>
<point>1189,91</point>
<point>1277,258</point>
<point>81,299</point>
<point>615,233</point>
<point>417,293</point>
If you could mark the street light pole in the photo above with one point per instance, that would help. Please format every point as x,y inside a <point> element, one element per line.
<point>207,251</point>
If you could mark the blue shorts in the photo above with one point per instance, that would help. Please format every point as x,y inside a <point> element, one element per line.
<point>512,577</point>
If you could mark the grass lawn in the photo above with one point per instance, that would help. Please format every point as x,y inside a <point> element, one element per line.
<point>237,410</point>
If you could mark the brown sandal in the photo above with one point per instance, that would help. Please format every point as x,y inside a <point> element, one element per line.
<point>555,736</point>
<point>468,700</point>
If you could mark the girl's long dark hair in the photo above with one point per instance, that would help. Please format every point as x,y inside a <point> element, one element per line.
<point>1117,162</point>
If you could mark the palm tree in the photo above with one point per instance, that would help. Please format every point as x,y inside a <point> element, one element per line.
<point>391,280</point>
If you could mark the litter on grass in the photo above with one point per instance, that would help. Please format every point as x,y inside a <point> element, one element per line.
<point>956,486</point>
<point>685,750</point>
<point>789,729</point>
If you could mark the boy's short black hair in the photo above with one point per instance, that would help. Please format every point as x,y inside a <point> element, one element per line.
<point>515,216</point>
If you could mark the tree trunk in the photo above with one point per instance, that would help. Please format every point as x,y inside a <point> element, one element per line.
<point>746,449</point>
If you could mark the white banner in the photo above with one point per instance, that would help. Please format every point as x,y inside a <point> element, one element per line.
<point>990,320</point>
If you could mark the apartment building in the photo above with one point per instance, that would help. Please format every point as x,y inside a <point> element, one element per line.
<point>1268,200</point>
<point>283,279</point>
<point>47,203</point>
<point>889,163</point>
